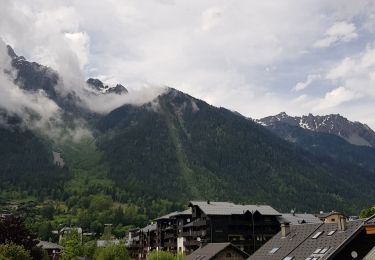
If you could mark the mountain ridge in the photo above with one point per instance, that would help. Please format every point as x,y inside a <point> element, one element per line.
<point>353,132</point>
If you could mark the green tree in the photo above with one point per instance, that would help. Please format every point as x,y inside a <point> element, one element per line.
<point>101,202</point>
<point>72,246</point>
<point>13,229</point>
<point>118,252</point>
<point>12,251</point>
<point>365,213</point>
<point>45,230</point>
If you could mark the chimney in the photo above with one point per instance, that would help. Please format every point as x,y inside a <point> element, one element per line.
<point>341,223</point>
<point>285,229</point>
<point>208,201</point>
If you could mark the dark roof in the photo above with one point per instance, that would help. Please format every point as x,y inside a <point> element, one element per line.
<point>295,219</point>
<point>151,227</point>
<point>370,220</point>
<point>300,244</point>
<point>228,208</point>
<point>174,214</point>
<point>212,249</point>
<point>49,246</point>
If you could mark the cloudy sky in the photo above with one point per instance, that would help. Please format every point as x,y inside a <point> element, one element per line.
<point>257,57</point>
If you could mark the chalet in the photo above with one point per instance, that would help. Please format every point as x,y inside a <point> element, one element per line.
<point>247,227</point>
<point>147,240</point>
<point>331,217</point>
<point>168,229</point>
<point>334,240</point>
<point>217,251</point>
<point>54,251</point>
<point>133,243</point>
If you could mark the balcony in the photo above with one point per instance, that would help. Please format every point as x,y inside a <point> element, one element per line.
<point>200,233</point>
<point>169,235</point>
<point>199,223</point>
<point>189,243</point>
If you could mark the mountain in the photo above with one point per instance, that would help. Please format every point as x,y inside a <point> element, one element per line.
<point>181,148</point>
<point>353,132</point>
<point>161,154</point>
<point>327,136</point>
<point>99,86</point>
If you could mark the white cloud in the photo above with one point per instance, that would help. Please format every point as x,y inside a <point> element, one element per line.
<point>215,50</point>
<point>337,97</point>
<point>304,84</point>
<point>338,32</point>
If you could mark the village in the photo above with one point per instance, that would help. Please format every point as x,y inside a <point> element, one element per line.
<point>224,230</point>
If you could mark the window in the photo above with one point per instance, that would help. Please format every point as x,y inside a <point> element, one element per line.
<point>317,251</point>
<point>288,258</point>
<point>273,250</point>
<point>317,234</point>
<point>324,250</point>
<point>229,255</point>
<point>330,233</point>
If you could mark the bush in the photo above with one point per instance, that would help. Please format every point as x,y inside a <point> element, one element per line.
<point>72,246</point>
<point>365,213</point>
<point>118,252</point>
<point>13,252</point>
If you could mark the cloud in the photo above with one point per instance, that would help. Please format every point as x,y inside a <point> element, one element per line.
<point>304,84</point>
<point>218,51</point>
<point>337,97</point>
<point>338,32</point>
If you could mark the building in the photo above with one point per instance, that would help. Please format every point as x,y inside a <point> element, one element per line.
<point>331,217</point>
<point>133,243</point>
<point>169,228</point>
<point>218,251</point>
<point>147,240</point>
<point>297,219</point>
<point>54,251</point>
<point>338,240</point>
<point>247,227</point>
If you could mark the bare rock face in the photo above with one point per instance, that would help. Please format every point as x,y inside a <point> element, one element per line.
<point>99,86</point>
<point>353,132</point>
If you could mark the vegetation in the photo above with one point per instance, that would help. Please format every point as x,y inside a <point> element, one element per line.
<point>117,252</point>
<point>11,251</point>
<point>366,213</point>
<point>72,246</point>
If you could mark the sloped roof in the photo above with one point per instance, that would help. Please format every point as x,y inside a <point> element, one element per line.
<point>229,208</point>
<point>167,216</point>
<point>148,228</point>
<point>300,244</point>
<point>295,219</point>
<point>370,255</point>
<point>49,246</point>
<point>175,213</point>
<point>210,250</point>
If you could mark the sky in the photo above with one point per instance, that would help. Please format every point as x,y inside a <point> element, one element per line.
<point>258,57</point>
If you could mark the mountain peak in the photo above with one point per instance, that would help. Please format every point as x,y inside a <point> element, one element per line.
<point>98,86</point>
<point>353,132</point>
